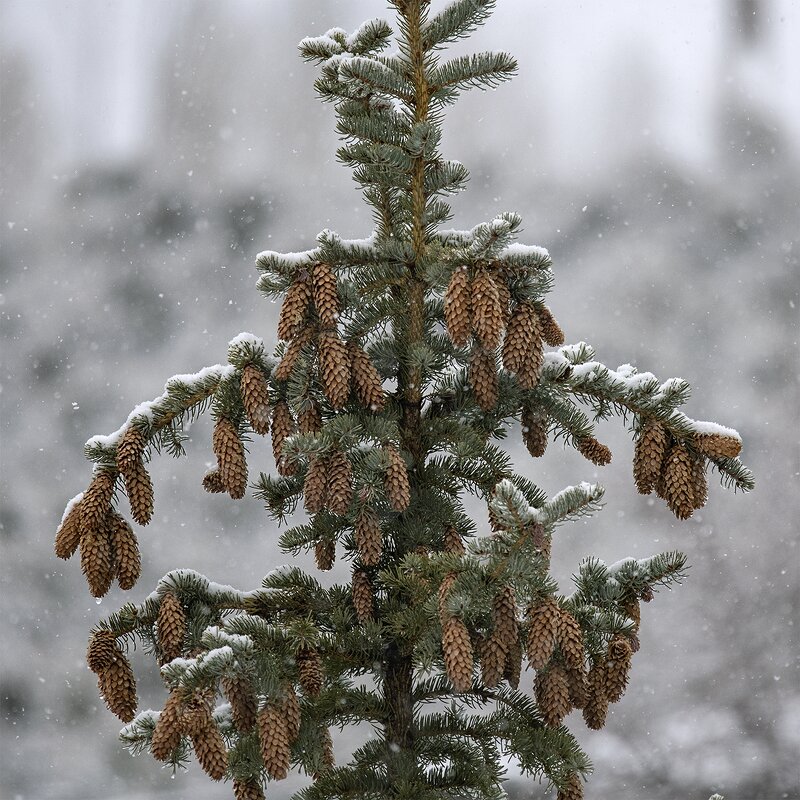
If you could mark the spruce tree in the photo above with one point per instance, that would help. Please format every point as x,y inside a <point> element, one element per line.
<point>403,360</point>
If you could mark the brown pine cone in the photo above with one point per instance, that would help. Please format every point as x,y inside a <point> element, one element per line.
<point>290,708</point>
<point>576,678</point>
<point>699,482</point>
<point>231,461</point>
<point>717,445</point>
<point>492,656</point>
<point>139,489</point>
<point>504,618</point>
<point>457,649</point>
<point>68,535</point>
<point>363,596</point>
<point>118,687</point>
<point>171,627</point>
<point>572,788</point>
<point>504,294</point>
<point>534,431</point>
<point>395,480</point>
<point>273,734</point>
<point>334,368</point>
<point>570,640</point>
<point>96,501</point>
<point>326,743</point>
<point>310,418</point>
<point>102,650</point>
<point>618,664</point>
<point>487,314</point>
<point>633,610</point>
<point>196,713</point>
<point>326,294</point>
<point>483,377</point>
<point>595,708</point>
<point>542,625</point>
<point>315,485</point>
<point>340,483</point>
<point>293,352</point>
<point>255,398</point>
<point>369,537</point>
<point>594,451</point>
<point>247,790</point>
<point>209,747</point>
<point>282,427</point>
<point>212,482</point>
<point>167,732</point>
<point>552,695</point>
<point>130,449</point>
<point>239,692</point>
<point>458,307</point>
<point>523,331</point>
<point>126,549</point>
<point>513,665</point>
<point>530,370</point>
<point>552,334</point>
<point>678,482</point>
<point>325,554</point>
<point>648,457</point>
<point>366,379</point>
<point>452,541</point>
<point>309,671</point>
<point>97,559</point>
<point>294,307</point>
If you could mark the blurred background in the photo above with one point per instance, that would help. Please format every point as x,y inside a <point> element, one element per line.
<point>150,150</point>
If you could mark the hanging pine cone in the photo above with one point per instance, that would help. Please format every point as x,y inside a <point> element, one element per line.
<point>618,664</point>
<point>326,294</point>
<point>130,449</point>
<point>504,618</point>
<point>523,331</point>
<point>290,708</point>
<point>570,640</point>
<point>209,747</point>
<point>366,379</point>
<point>487,314</point>
<point>326,748</point>
<point>139,488</point>
<point>542,624</point>
<point>282,427</point>
<point>231,461</point>
<point>513,666</point>
<point>167,732</point>
<point>126,550</point>
<point>97,559</point>
<point>458,307</point>
<point>395,480</point>
<point>595,708</point>
<point>315,485</point>
<point>648,457</point>
<point>171,627</point>
<point>334,368</point>
<point>483,377</point>
<point>452,541</point>
<point>457,649</point>
<point>96,501</point>
<point>309,671</point>
<point>340,483</point>
<point>102,650</point>
<point>492,656</point>
<point>255,398</point>
<point>504,295</point>
<point>310,418</point>
<point>552,695</point>
<point>363,596</point>
<point>551,332</point>
<point>249,789</point>
<point>678,483</point>
<point>534,431</point>
<point>717,445</point>
<point>369,537</point>
<point>633,610</point>
<point>117,685</point>
<point>325,554</point>
<point>273,735</point>
<point>295,303</point>
<point>576,678</point>
<point>239,692</point>
<point>292,354</point>
<point>699,482</point>
<point>572,789</point>
<point>212,482</point>
<point>594,451</point>
<point>530,369</point>
<point>68,535</point>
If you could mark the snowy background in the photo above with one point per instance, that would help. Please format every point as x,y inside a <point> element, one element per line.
<point>150,150</point>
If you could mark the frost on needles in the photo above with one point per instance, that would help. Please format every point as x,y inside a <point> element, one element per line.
<point>402,359</point>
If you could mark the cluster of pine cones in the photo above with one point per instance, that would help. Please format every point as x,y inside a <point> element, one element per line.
<point>677,470</point>
<point>190,714</point>
<point>479,307</point>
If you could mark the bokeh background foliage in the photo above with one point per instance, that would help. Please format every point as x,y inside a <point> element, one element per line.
<point>149,152</point>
